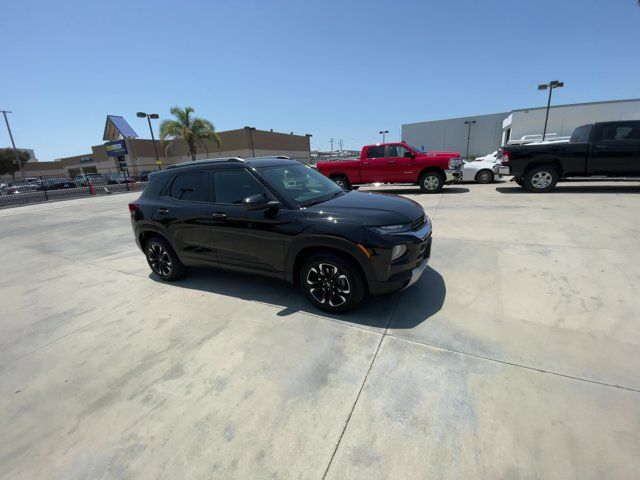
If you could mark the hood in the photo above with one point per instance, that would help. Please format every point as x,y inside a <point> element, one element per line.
<point>367,209</point>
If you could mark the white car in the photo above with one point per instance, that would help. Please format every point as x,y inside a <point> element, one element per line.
<point>482,169</point>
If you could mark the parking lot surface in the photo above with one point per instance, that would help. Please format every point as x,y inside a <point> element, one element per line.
<point>515,356</point>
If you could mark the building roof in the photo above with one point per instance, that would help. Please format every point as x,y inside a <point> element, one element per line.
<point>577,104</point>
<point>116,127</point>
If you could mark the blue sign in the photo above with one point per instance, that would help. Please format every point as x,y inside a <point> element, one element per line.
<point>117,148</point>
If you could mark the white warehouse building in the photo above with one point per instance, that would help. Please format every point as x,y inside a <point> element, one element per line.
<point>494,130</point>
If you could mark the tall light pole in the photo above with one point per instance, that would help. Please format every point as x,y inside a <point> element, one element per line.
<point>548,86</point>
<point>468,123</point>
<point>251,130</point>
<point>383,133</point>
<point>331,140</point>
<point>13,144</point>
<point>155,149</point>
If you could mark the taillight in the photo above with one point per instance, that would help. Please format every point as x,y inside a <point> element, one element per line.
<point>133,208</point>
<point>505,157</point>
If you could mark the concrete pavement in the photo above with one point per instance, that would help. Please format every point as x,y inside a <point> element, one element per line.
<point>515,356</point>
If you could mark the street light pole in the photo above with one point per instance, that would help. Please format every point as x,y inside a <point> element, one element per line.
<point>550,86</point>
<point>153,139</point>
<point>468,123</point>
<point>383,133</point>
<point>251,129</point>
<point>13,144</point>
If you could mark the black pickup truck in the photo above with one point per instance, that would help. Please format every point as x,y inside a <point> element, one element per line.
<point>598,150</point>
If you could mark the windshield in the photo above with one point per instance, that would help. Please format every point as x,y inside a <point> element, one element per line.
<point>300,184</point>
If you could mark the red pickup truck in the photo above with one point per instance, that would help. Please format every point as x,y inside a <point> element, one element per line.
<point>396,163</point>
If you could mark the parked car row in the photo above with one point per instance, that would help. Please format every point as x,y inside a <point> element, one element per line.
<point>33,184</point>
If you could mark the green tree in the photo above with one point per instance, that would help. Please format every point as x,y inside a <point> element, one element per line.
<point>8,164</point>
<point>191,129</point>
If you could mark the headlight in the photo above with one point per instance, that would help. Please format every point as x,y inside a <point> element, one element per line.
<point>398,251</point>
<point>455,162</point>
<point>391,228</point>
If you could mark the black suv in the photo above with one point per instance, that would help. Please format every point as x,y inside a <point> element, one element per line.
<point>277,217</point>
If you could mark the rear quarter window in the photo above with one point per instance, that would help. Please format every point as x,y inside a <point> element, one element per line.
<point>190,187</point>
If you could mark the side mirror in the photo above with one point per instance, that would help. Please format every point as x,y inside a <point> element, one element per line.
<point>409,155</point>
<point>258,201</point>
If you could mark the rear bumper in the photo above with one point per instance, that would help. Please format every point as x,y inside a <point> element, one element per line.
<point>452,176</point>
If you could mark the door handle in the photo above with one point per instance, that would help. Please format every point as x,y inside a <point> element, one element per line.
<point>392,161</point>
<point>365,163</point>
<point>601,147</point>
<point>162,210</point>
<point>219,215</point>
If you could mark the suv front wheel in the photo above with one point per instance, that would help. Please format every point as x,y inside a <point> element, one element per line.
<point>331,282</point>
<point>163,259</point>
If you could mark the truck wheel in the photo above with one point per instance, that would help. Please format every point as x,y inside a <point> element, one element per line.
<point>519,181</point>
<point>342,181</point>
<point>484,176</point>
<point>431,182</point>
<point>332,282</point>
<point>540,179</point>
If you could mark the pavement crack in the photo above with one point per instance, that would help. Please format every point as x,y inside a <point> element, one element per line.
<point>364,381</point>
<point>512,364</point>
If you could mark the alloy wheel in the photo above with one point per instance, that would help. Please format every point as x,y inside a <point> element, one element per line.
<point>328,284</point>
<point>159,259</point>
<point>484,177</point>
<point>541,180</point>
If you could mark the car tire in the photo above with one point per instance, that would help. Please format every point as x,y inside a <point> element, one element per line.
<point>484,176</point>
<point>342,181</point>
<point>519,181</point>
<point>431,182</point>
<point>541,179</point>
<point>331,282</point>
<point>162,259</point>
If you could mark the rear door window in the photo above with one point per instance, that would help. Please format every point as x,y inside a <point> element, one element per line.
<point>581,134</point>
<point>375,152</point>
<point>190,187</point>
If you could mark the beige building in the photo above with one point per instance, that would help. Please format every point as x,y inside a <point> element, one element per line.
<point>123,152</point>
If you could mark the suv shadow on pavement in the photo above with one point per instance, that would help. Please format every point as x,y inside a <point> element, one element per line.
<point>425,298</point>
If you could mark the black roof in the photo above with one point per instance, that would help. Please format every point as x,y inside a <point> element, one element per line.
<point>227,162</point>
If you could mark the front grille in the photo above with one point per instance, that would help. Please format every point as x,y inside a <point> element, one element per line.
<point>425,249</point>
<point>417,224</point>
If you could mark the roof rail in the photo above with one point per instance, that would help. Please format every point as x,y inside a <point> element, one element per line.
<point>206,161</point>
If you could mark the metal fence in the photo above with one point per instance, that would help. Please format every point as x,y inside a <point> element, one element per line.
<point>51,188</point>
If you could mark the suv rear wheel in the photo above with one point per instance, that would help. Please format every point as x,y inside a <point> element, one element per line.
<point>541,179</point>
<point>431,182</point>
<point>163,259</point>
<point>331,282</point>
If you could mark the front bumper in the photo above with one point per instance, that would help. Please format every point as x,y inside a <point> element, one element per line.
<point>453,175</point>
<point>403,273</point>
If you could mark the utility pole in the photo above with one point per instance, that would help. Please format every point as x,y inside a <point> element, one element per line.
<point>13,144</point>
<point>331,142</point>
<point>468,123</point>
<point>340,144</point>
<point>383,133</point>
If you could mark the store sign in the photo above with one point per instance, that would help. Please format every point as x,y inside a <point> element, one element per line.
<point>117,148</point>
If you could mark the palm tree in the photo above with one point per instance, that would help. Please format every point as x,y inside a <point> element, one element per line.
<point>189,128</point>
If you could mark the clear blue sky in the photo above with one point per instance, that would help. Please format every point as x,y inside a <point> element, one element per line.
<point>341,69</point>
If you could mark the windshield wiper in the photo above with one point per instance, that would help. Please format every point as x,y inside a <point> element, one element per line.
<point>321,199</point>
